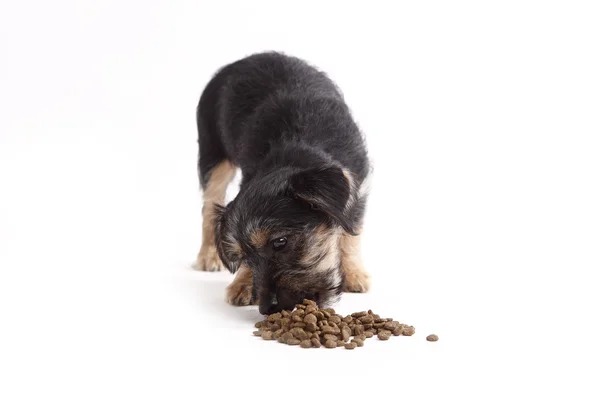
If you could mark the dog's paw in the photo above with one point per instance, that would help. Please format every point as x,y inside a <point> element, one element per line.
<point>357,281</point>
<point>208,260</point>
<point>239,293</point>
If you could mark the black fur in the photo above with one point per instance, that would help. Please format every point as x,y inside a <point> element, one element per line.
<point>286,126</point>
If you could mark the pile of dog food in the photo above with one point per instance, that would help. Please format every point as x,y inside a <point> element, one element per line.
<point>309,326</point>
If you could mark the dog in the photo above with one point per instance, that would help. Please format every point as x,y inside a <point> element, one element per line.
<point>293,230</point>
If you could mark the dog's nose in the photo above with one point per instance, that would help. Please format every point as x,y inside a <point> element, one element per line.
<point>268,305</point>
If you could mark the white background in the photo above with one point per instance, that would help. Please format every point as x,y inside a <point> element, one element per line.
<point>483,123</point>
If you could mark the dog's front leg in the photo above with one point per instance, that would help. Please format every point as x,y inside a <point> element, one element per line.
<point>356,280</point>
<point>214,194</point>
<point>239,292</point>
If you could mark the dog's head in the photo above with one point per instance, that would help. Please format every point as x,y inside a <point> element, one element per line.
<point>286,227</point>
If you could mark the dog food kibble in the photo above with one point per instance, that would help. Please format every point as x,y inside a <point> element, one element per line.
<point>384,335</point>
<point>267,335</point>
<point>309,326</point>
<point>296,318</point>
<point>310,319</point>
<point>432,338</point>
<point>408,331</point>
<point>359,314</point>
<point>350,346</point>
<point>274,317</point>
<point>346,332</point>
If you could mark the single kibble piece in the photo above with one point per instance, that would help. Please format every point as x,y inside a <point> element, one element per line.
<point>257,333</point>
<point>367,319</point>
<point>359,342</point>
<point>384,335</point>
<point>330,344</point>
<point>368,334</point>
<point>327,329</point>
<point>285,313</point>
<point>310,327</point>
<point>319,315</point>
<point>329,336</point>
<point>293,342</point>
<point>335,319</point>
<point>307,302</point>
<point>359,330</point>
<point>275,327</point>
<point>296,318</point>
<point>389,326</point>
<point>306,344</point>
<point>299,325</point>
<point>259,324</point>
<point>267,335</point>
<point>347,319</point>
<point>300,307</point>
<point>397,331</point>
<point>274,317</point>
<point>346,332</point>
<point>408,331</point>
<point>340,343</point>
<point>277,334</point>
<point>310,319</point>
<point>432,338</point>
<point>351,345</point>
<point>310,309</point>
<point>358,314</point>
<point>299,333</point>
<point>326,314</point>
<point>315,342</point>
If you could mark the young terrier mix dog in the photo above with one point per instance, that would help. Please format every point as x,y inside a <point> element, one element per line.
<point>293,230</point>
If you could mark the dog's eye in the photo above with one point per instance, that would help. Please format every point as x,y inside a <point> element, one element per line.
<point>279,243</point>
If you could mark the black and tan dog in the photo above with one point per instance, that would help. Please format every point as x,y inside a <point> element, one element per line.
<point>293,230</point>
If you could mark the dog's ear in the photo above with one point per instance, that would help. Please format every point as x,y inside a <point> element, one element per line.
<point>224,248</point>
<point>325,189</point>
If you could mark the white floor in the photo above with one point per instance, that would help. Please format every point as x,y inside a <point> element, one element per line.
<point>482,225</point>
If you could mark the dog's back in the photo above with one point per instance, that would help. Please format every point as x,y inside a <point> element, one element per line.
<point>268,100</point>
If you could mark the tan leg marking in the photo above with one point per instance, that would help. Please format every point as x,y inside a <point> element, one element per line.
<point>214,193</point>
<point>239,292</point>
<point>357,279</point>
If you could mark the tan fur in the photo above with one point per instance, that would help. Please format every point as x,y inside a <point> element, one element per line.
<point>357,279</point>
<point>214,194</point>
<point>239,292</point>
<point>322,241</point>
<point>259,238</point>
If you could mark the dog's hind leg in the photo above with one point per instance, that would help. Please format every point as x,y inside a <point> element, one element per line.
<point>214,182</point>
<point>356,278</point>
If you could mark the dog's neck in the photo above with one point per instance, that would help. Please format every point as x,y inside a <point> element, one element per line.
<point>295,155</point>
